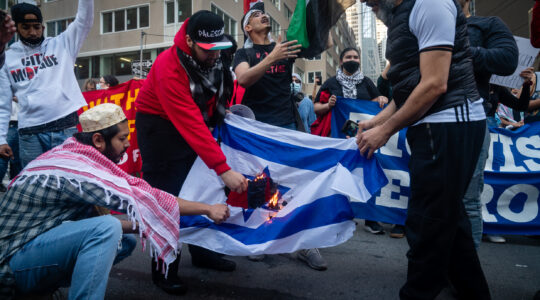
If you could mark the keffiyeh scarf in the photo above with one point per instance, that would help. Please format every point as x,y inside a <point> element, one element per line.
<point>349,83</point>
<point>156,211</point>
<point>204,83</point>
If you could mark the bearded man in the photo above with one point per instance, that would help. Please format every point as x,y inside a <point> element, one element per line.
<point>186,93</point>
<point>39,72</point>
<point>50,233</point>
<point>435,95</point>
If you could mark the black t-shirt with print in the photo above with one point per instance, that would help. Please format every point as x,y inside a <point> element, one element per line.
<point>269,97</point>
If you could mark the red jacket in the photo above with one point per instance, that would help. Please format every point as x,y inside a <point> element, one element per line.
<point>166,93</point>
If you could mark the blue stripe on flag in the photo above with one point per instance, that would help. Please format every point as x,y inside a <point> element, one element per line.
<point>318,160</point>
<point>329,210</point>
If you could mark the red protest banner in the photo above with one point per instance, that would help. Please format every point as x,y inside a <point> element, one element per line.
<point>123,95</point>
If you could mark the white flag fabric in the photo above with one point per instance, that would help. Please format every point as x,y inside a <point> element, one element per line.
<point>316,176</point>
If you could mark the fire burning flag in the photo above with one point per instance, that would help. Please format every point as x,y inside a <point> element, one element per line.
<point>301,186</point>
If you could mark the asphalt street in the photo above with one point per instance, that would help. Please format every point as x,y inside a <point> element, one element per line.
<point>365,267</point>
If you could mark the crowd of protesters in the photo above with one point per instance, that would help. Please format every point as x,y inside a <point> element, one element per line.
<point>440,62</point>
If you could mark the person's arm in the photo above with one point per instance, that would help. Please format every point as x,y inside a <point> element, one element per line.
<point>434,70</point>
<point>76,33</point>
<point>535,25</point>
<point>217,212</point>
<point>187,118</point>
<point>375,94</point>
<point>248,76</point>
<point>7,30</point>
<point>325,102</point>
<point>499,54</point>
<point>521,103</point>
<point>534,105</point>
<point>5,112</point>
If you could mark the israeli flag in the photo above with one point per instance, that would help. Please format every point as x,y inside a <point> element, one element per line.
<point>316,177</point>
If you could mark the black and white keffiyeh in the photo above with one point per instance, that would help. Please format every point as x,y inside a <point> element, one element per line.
<point>349,83</point>
<point>204,83</point>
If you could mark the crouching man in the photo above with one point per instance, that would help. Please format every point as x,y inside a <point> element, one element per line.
<point>49,234</point>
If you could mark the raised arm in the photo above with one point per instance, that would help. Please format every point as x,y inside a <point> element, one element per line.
<point>78,30</point>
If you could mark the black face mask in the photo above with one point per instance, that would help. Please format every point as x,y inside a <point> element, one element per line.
<point>32,42</point>
<point>351,66</point>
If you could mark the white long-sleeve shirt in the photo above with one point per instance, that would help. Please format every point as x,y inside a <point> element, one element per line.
<point>42,77</point>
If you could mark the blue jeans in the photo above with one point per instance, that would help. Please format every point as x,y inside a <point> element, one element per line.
<point>78,253</point>
<point>33,145</point>
<point>13,142</point>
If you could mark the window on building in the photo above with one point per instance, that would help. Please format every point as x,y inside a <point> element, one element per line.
<point>119,20</point>
<point>312,75</point>
<point>301,73</point>
<point>54,28</point>
<point>276,28</point>
<point>177,11</point>
<point>144,16</point>
<point>287,12</point>
<point>118,64</point>
<point>6,4</point>
<point>276,3</point>
<point>330,60</point>
<point>82,67</point>
<point>230,23</point>
<point>125,19</point>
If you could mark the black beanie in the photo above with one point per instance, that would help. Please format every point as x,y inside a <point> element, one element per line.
<point>18,11</point>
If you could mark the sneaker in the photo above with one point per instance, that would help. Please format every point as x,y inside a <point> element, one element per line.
<point>256,257</point>
<point>373,227</point>
<point>496,239</point>
<point>313,258</point>
<point>397,232</point>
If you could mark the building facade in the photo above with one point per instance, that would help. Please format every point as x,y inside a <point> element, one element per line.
<point>370,36</point>
<point>125,31</point>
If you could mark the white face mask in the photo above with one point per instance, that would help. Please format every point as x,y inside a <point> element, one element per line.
<point>98,86</point>
<point>296,87</point>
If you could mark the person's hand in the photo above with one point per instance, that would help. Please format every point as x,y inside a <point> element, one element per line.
<point>371,140</point>
<point>318,80</point>
<point>6,152</point>
<point>527,75</point>
<point>235,181</point>
<point>284,50</point>
<point>7,30</point>
<point>382,100</point>
<point>218,213</point>
<point>332,101</point>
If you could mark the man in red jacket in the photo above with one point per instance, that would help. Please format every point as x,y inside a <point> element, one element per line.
<point>185,94</point>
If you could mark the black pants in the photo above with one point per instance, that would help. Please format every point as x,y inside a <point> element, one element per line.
<point>443,157</point>
<point>167,159</point>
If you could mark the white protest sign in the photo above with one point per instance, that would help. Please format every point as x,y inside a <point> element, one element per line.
<point>527,55</point>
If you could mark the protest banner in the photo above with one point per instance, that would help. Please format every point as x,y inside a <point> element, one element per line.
<point>512,175</point>
<point>123,95</point>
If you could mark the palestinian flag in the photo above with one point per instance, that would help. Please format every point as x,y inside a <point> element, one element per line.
<point>311,22</point>
<point>248,4</point>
